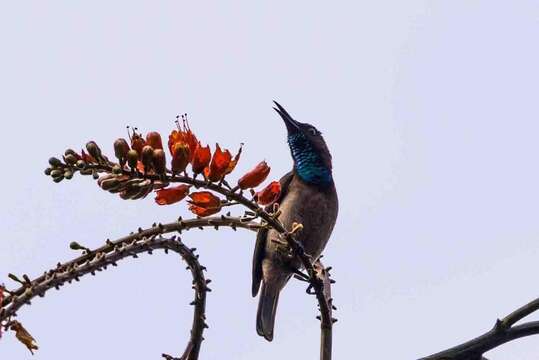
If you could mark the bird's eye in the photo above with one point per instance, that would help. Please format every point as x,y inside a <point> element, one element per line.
<point>313,131</point>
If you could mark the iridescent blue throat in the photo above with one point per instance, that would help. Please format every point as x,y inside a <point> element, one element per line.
<point>309,165</point>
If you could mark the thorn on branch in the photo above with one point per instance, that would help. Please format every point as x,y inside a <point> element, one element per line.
<point>76,246</point>
<point>16,279</point>
<point>499,326</point>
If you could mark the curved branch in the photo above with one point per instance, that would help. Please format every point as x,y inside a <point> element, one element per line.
<point>143,241</point>
<point>502,332</point>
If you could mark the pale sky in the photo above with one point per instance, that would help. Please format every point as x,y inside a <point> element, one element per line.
<point>429,109</point>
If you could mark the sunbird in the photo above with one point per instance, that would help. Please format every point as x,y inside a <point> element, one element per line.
<point>308,197</point>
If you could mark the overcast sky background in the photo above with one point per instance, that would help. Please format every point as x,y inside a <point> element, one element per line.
<point>429,108</point>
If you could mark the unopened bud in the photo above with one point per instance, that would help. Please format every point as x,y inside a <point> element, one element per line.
<point>57,173</point>
<point>70,152</point>
<point>121,148</point>
<point>71,159</point>
<point>55,162</point>
<point>159,161</point>
<point>147,157</point>
<point>47,171</point>
<point>93,149</point>
<point>132,158</point>
<point>81,164</point>
<point>153,138</point>
<point>116,169</point>
<point>68,175</point>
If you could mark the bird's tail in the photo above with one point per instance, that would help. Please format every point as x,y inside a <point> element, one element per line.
<point>267,307</point>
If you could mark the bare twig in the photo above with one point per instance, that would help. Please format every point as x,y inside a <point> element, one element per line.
<point>502,332</point>
<point>58,277</point>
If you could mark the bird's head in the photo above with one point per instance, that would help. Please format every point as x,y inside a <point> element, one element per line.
<point>312,159</point>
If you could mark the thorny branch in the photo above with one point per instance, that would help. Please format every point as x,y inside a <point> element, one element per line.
<point>504,330</point>
<point>109,254</point>
<point>144,240</point>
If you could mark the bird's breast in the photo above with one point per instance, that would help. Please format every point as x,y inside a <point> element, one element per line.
<point>315,209</point>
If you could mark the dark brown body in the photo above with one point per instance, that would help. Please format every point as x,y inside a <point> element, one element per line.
<point>316,209</point>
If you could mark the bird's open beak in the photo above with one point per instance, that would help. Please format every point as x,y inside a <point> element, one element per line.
<point>291,125</point>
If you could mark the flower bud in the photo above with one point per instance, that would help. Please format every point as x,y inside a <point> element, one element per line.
<point>48,171</point>
<point>159,161</point>
<point>254,177</point>
<point>71,152</point>
<point>116,169</point>
<point>93,150</point>
<point>55,162</point>
<point>109,184</point>
<point>71,159</point>
<point>121,148</point>
<point>57,173</point>
<point>147,157</point>
<point>153,138</point>
<point>86,171</point>
<point>68,174</point>
<point>180,157</point>
<point>81,164</point>
<point>132,158</point>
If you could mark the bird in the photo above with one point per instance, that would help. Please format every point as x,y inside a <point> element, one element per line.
<point>309,197</point>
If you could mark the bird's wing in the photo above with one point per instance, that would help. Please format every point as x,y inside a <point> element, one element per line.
<point>260,245</point>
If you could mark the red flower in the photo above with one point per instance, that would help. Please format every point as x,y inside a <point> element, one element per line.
<point>269,194</point>
<point>185,135</point>
<point>180,156</point>
<point>204,199</point>
<point>234,161</point>
<point>201,158</point>
<point>219,164</point>
<point>202,212</point>
<point>172,195</point>
<point>153,138</point>
<point>254,177</point>
<point>137,142</point>
<point>204,203</point>
<point>140,166</point>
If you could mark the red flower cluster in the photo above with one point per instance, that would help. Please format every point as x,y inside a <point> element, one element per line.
<point>146,154</point>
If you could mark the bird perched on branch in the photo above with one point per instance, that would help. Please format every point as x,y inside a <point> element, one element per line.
<point>308,197</point>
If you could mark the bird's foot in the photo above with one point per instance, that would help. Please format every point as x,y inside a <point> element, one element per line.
<point>300,275</point>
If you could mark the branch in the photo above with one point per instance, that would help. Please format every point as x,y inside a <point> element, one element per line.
<point>109,254</point>
<point>502,332</point>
